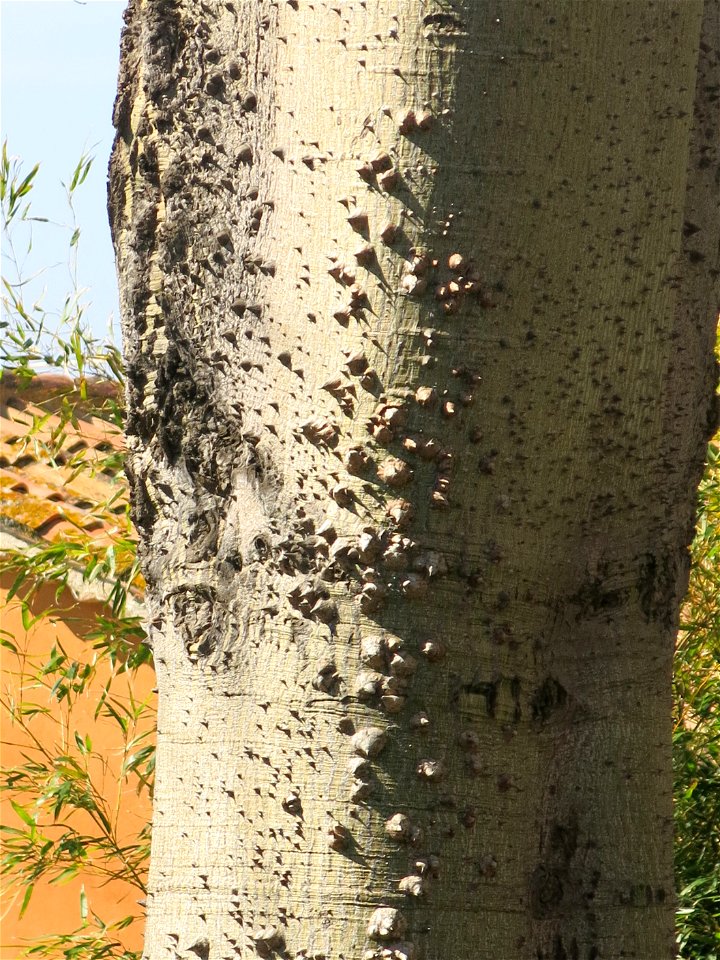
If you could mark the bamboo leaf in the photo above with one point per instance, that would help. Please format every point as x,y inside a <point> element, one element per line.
<point>23,814</point>
<point>26,899</point>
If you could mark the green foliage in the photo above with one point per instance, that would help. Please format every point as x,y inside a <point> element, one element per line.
<point>31,334</point>
<point>94,939</point>
<point>696,745</point>
<point>58,779</point>
<point>66,803</point>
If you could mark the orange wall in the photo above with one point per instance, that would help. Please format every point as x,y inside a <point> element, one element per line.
<point>55,909</point>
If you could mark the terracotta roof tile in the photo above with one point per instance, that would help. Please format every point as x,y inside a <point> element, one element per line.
<point>42,486</point>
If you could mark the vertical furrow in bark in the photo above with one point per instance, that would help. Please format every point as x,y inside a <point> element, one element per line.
<point>401,323</point>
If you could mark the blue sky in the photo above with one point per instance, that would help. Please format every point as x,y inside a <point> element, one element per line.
<point>59,73</point>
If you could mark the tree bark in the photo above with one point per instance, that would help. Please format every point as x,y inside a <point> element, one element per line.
<point>418,304</point>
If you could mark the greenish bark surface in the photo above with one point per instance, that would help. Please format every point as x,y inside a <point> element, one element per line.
<point>418,305</point>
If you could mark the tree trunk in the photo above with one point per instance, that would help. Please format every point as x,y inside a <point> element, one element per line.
<point>418,309</point>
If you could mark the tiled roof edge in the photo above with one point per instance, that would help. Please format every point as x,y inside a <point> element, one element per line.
<point>17,537</point>
<point>49,386</point>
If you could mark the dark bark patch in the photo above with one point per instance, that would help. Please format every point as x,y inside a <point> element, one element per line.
<point>188,423</point>
<point>261,549</point>
<point>638,895</point>
<point>475,688</point>
<point>202,539</point>
<point>549,700</point>
<point>165,42</point>
<point>444,24</point>
<point>563,839</point>
<point>546,891</point>
<point>657,588</point>
<point>558,950</point>
<point>175,388</point>
<point>145,225</point>
<point>140,423</point>
<point>254,460</point>
<point>198,618</point>
<point>177,236</point>
<point>515,694</point>
<point>143,510</point>
<point>234,559</point>
<point>552,875</point>
<point>147,164</point>
<point>595,596</point>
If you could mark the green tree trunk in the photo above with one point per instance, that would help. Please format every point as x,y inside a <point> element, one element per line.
<point>418,311</point>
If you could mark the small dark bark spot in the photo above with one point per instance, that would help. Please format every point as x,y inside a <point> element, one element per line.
<point>546,891</point>
<point>549,698</point>
<point>444,22</point>
<point>595,597</point>
<point>657,587</point>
